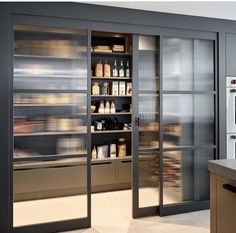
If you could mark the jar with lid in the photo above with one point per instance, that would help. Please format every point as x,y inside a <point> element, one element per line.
<point>121,147</point>
<point>95,89</point>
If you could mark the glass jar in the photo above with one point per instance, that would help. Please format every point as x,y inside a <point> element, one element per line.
<point>95,89</point>
<point>121,147</point>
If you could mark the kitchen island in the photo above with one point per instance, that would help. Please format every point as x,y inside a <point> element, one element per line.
<point>223,195</point>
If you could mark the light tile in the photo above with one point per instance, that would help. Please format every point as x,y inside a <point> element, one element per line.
<point>115,230</point>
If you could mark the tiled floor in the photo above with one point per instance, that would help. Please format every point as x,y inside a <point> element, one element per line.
<point>111,213</point>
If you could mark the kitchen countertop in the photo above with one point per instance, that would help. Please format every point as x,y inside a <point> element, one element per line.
<point>223,167</point>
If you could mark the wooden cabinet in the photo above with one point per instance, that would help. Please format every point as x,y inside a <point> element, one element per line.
<point>63,179</point>
<point>223,204</point>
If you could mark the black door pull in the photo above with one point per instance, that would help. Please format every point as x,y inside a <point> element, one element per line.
<point>230,187</point>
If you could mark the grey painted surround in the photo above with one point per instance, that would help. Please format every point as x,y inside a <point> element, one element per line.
<point>100,18</point>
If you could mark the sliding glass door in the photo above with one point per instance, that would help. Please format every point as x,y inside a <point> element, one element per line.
<point>188,123</point>
<point>175,125</point>
<point>51,176</point>
<point>146,158</point>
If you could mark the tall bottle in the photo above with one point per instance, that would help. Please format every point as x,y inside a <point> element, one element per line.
<point>99,69</point>
<point>115,70</point>
<point>127,71</point>
<point>107,70</point>
<point>94,153</point>
<point>121,70</point>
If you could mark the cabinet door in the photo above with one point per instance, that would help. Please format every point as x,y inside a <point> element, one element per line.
<point>230,54</point>
<point>226,207</point>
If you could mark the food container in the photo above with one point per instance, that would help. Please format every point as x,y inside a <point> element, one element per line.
<point>121,147</point>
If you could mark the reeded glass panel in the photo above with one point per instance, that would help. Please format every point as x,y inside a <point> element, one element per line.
<point>188,64</point>
<point>49,125</point>
<point>148,179</point>
<point>50,59</point>
<point>204,65</point>
<point>177,64</point>
<point>148,92</point>
<point>148,103</point>
<point>188,120</point>
<point>185,176</point>
<point>57,118</point>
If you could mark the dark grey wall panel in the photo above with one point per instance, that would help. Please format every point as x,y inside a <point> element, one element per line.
<point>221,101</point>
<point>120,15</point>
<point>5,163</point>
<point>231,54</point>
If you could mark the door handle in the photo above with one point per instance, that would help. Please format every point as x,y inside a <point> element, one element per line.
<point>233,136</point>
<point>229,187</point>
<point>137,121</point>
<point>232,90</point>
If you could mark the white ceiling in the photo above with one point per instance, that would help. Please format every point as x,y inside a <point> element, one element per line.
<point>214,9</point>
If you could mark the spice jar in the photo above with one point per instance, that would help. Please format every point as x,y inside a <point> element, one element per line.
<point>95,89</point>
<point>121,147</point>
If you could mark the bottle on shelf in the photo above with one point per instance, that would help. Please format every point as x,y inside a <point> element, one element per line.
<point>121,70</point>
<point>115,70</point>
<point>107,107</point>
<point>94,153</point>
<point>112,107</point>
<point>112,150</point>
<point>101,108</point>
<point>99,70</point>
<point>127,71</point>
<point>107,70</point>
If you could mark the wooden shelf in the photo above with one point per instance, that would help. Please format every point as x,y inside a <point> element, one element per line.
<point>128,157</point>
<point>49,76</point>
<point>46,57</point>
<point>112,96</point>
<point>111,78</point>
<point>117,113</point>
<point>111,54</point>
<point>174,134</point>
<point>48,133</point>
<point>44,105</point>
<point>65,162</point>
<point>111,131</point>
